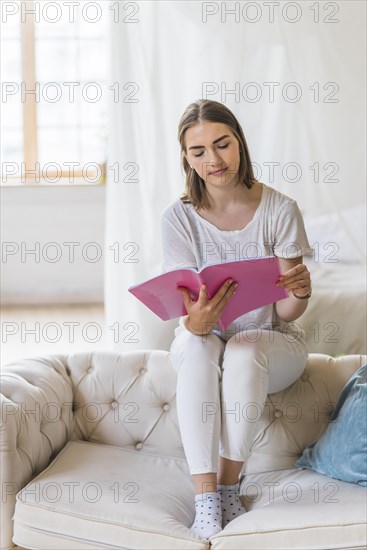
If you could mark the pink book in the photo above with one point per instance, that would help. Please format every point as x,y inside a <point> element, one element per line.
<point>256,288</point>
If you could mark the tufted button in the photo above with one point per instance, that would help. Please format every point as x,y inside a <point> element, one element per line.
<point>143,371</point>
<point>277,413</point>
<point>166,407</point>
<point>139,446</point>
<point>305,376</point>
<point>113,404</point>
<point>90,369</point>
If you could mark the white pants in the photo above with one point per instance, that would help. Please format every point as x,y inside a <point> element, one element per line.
<point>222,388</point>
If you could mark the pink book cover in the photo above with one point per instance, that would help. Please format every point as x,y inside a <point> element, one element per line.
<point>256,280</point>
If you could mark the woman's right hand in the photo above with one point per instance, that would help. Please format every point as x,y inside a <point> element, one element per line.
<point>203,314</point>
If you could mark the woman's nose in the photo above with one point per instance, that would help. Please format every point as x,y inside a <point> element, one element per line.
<point>214,158</point>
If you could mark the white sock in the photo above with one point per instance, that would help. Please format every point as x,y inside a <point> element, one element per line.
<point>208,518</point>
<point>232,507</point>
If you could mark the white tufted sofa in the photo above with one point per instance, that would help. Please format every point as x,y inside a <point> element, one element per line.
<point>92,458</point>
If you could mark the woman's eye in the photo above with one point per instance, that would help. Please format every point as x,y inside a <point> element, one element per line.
<point>219,147</point>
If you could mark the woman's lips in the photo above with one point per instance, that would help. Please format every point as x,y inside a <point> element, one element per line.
<point>218,173</point>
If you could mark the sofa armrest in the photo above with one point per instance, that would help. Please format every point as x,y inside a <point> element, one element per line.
<point>37,420</point>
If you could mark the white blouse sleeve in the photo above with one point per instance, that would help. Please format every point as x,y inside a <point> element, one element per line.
<point>176,244</point>
<point>290,235</point>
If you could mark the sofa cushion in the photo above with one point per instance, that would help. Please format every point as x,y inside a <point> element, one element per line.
<point>123,399</point>
<point>298,415</point>
<point>292,508</point>
<point>101,496</point>
<point>341,452</point>
<point>141,501</point>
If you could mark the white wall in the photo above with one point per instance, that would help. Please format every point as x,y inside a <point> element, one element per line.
<point>33,218</point>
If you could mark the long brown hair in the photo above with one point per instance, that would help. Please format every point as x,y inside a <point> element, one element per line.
<point>212,111</point>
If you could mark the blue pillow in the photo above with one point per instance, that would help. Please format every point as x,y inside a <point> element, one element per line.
<point>341,451</point>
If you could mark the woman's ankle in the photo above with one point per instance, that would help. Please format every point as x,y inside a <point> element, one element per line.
<point>205,483</point>
<point>226,481</point>
<point>229,471</point>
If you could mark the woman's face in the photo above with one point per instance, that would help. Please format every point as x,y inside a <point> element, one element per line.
<point>211,147</point>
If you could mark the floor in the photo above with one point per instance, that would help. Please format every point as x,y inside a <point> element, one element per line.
<point>42,330</point>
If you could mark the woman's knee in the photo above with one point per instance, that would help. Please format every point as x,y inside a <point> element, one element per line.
<point>261,344</point>
<point>269,351</point>
<point>198,353</point>
<point>245,357</point>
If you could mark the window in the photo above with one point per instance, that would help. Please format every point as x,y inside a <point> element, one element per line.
<point>55,61</point>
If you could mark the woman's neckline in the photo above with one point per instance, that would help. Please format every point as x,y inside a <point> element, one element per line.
<point>229,231</point>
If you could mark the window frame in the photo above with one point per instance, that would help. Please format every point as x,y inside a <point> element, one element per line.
<point>28,172</point>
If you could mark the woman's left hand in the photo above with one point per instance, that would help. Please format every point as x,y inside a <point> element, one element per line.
<point>297,279</point>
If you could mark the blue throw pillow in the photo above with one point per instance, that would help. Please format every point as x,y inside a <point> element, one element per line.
<point>341,451</point>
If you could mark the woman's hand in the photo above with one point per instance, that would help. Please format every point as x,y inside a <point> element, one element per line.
<point>203,314</point>
<point>297,279</point>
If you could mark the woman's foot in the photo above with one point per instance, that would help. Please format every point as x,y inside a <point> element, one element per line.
<point>208,518</point>
<point>231,505</point>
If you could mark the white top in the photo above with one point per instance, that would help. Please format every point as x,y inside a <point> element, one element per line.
<point>276,229</point>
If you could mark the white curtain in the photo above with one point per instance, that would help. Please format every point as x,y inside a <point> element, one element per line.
<point>307,140</point>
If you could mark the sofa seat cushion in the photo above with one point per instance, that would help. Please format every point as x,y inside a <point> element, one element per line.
<point>102,496</point>
<point>288,509</point>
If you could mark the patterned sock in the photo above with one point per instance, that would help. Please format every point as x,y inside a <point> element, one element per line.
<point>208,518</point>
<point>232,507</point>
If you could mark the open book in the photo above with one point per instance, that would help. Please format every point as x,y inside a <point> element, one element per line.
<point>256,280</point>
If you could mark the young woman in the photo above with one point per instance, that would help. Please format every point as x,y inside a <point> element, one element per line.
<point>223,377</point>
